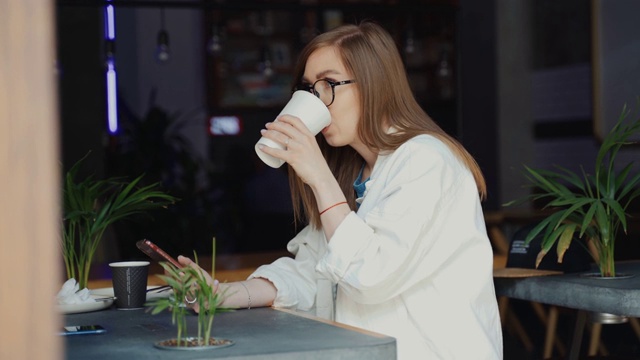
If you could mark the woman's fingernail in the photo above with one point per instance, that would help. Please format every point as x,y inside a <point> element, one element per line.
<point>263,131</point>
<point>216,282</point>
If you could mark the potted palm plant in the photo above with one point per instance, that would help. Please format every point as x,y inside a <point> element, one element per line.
<point>90,206</point>
<point>595,207</point>
<point>188,282</point>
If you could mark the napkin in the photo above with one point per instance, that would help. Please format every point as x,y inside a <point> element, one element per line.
<point>69,294</point>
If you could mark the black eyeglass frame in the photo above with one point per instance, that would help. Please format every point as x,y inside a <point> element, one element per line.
<point>311,87</point>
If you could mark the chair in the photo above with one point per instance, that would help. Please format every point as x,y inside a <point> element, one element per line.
<point>521,259</point>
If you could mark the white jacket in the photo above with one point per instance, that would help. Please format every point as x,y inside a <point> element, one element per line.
<point>414,262</point>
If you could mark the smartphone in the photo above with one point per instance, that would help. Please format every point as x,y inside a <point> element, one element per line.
<point>82,330</point>
<point>154,252</point>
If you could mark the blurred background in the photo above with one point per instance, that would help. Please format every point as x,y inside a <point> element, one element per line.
<point>178,90</point>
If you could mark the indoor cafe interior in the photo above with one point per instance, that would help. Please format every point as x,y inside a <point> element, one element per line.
<point>177,91</point>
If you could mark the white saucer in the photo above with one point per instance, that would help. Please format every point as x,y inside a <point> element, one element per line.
<point>85,307</point>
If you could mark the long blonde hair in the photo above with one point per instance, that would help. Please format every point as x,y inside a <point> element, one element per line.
<point>371,55</point>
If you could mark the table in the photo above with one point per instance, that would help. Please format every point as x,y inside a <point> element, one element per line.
<point>576,291</point>
<point>264,333</point>
<point>583,293</point>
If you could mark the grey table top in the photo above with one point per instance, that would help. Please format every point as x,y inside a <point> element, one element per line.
<point>263,333</point>
<point>616,296</point>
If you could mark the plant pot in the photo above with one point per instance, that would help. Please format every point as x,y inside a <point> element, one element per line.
<point>192,343</point>
<point>597,275</point>
<point>606,318</point>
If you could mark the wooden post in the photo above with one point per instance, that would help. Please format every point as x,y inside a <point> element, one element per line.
<point>29,173</point>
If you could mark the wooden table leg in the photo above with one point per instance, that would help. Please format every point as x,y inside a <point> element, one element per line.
<point>578,331</point>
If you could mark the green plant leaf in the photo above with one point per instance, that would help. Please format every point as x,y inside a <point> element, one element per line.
<point>617,209</point>
<point>565,240</point>
<point>575,207</point>
<point>570,177</point>
<point>632,196</point>
<point>548,241</point>
<point>629,186</point>
<point>588,218</point>
<point>544,224</point>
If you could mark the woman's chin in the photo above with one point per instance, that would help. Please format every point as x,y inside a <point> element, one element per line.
<point>329,139</point>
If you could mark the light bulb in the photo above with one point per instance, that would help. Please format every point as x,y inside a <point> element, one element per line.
<point>444,74</point>
<point>163,53</point>
<point>214,45</point>
<point>409,45</point>
<point>265,66</point>
<point>267,70</point>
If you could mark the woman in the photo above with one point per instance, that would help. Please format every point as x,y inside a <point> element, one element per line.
<point>396,232</point>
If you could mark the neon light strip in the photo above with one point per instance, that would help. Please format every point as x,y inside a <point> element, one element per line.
<point>112,99</point>
<point>111,26</point>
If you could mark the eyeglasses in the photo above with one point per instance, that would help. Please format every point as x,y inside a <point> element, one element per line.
<point>324,89</point>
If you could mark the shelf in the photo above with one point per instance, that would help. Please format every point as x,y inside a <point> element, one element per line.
<point>254,38</point>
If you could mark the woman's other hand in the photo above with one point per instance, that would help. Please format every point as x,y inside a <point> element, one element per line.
<point>302,153</point>
<point>185,261</point>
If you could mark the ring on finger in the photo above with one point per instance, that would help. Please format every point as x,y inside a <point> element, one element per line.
<point>286,142</point>
<point>186,299</point>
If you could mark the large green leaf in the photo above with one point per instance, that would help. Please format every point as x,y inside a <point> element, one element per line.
<point>575,207</point>
<point>619,212</point>
<point>565,240</point>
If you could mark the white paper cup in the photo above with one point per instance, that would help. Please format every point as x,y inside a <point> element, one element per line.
<point>313,113</point>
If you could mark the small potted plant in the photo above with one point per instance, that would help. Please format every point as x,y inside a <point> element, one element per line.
<point>189,283</point>
<point>595,208</point>
<point>90,206</point>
